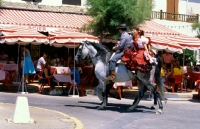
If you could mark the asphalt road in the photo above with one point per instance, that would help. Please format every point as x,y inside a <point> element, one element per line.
<point>177,113</point>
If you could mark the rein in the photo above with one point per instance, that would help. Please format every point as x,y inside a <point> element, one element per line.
<point>98,54</point>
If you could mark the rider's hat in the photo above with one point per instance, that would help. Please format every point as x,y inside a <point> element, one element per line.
<point>121,26</point>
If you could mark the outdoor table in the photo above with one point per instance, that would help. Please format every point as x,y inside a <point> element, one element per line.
<point>61,70</point>
<point>2,75</point>
<point>63,79</point>
<point>8,67</point>
<point>128,83</point>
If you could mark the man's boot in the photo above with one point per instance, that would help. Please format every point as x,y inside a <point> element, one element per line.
<point>112,76</point>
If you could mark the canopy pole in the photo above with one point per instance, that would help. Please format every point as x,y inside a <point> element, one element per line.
<point>22,80</point>
<point>75,85</point>
<point>183,57</point>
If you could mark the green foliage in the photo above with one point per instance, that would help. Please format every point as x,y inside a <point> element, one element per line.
<point>189,56</point>
<point>196,26</point>
<point>0,2</point>
<point>108,14</point>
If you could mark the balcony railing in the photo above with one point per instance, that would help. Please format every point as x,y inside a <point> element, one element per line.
<point>174,17</point>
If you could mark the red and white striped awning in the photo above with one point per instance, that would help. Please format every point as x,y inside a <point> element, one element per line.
<point>155,29</point>
<point>162,43</point>
<point>21,35</point>
<point>185,41</point>
<point>39,18</point>
<point>69,39</point>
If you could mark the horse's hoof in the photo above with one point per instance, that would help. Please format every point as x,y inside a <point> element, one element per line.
<point>159,111</point>
<point>153,107</point>
<point>100,108</point>
<point>130,109</point>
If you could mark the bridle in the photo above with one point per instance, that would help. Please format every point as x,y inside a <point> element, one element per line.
<point>80,52</point>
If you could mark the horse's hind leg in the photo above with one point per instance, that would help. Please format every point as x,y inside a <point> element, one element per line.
<point>141,91</point>
<point>144,78</point>
<point>157,97</point>
<point>154,103</point>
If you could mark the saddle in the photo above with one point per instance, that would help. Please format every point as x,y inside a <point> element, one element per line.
<point>120,62</point>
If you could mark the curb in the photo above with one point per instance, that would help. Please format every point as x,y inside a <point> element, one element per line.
<point>132,94</point>
<point>77,123</point>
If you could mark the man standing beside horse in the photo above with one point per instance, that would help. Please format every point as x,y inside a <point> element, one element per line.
<point>125,41</point>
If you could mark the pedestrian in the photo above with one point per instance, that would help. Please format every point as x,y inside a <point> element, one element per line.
<point>28,67</point>
<point>167,58</point>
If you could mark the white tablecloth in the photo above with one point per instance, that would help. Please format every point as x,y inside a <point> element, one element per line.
<point>8,67</point>
<point>127,84</point>
<point>2,75</point>
<point>61,70</point>
<point>62,78</point>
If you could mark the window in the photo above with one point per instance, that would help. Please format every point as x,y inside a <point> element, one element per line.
<point>72,2</point>
<point>33,0</point>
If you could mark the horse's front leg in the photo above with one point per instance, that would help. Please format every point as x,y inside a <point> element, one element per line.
<point>104,95</point>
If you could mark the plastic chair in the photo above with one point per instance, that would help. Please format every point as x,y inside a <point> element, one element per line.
<point>89,72</point>
<point>197,85</point>
<point>178,81</point>
<point>44,82</point>
<point>9,79</point>
<point>37,74</point>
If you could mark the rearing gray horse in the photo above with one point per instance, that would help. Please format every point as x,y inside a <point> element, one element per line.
<point>100,56</point>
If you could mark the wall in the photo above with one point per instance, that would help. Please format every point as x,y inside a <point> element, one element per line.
<point>181,27</point>
<point>47,2</point>
<point>184,6</point>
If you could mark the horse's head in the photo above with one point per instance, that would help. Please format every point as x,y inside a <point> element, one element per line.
<point>82,51</point>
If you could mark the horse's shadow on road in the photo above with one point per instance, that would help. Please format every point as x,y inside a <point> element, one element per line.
<point>121,108</point>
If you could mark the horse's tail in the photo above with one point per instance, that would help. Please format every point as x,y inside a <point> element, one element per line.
<point>161,86</point>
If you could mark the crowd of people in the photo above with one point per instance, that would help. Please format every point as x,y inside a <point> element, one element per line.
<point>171,67</point>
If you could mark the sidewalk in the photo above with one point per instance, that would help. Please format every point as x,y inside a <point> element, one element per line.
<point>43,119</point>
<point>127,93</point>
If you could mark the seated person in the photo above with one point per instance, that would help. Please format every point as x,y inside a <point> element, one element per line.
<point>56,60</point>
<point>3,56</point>
<point>47,74</point>
<point>62,62</point>
<point>41,62</point>
<point>74,72</point>
<point>176,69</point>
<point>163,73</point>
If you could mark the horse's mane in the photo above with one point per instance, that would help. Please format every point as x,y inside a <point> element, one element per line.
<point>103,51</point>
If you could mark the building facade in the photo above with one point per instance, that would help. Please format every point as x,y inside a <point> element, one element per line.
<point>186,8</point>
<point>189,7</point>
<point>52,2</point>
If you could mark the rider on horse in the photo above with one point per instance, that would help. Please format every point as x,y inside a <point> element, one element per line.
<point>125,42</point>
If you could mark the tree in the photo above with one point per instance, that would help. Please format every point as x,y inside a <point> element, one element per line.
<point>196,26</point>
<point>108,14</point>
<point>189,56</point>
